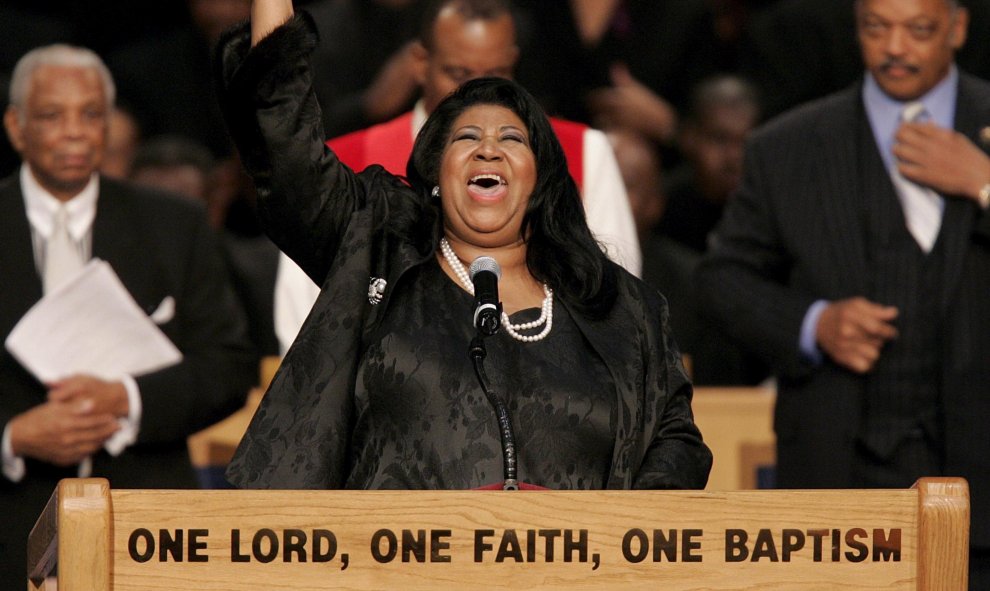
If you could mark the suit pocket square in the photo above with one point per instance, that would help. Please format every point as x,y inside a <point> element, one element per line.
<point>164,312</point>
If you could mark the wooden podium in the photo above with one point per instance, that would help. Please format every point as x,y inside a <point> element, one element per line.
<point>91,537</point>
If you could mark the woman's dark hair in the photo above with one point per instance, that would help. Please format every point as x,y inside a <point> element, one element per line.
<point>561,250</point>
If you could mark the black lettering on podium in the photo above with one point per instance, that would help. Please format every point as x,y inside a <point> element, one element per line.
<point>235,547</point>
<point>577,544</point>
<point>414,546</point>
<point>861,549</point>
<point>258,549</point>
<point>736,549</point>
<point>480,545</point>
<point>887,547</point>
<point>294,542</point>
<point>324,545</point>
<point>818,535</point>
<point>689,545</point>
<point>793,540</point>
<point>167,543</point>
<point>665,544</point>
<point>391,546</point>
<point>509,547</point>
<point>642,545</point>
<point>764,547</point>
<point>149,545</point>
<point>438,544</point>
<point>195,545</point>
<point>550,535</point>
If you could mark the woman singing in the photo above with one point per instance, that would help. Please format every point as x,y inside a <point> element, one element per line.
<point>379,391</point>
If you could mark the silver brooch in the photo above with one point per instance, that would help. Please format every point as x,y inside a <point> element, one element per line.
<point>376,290</point>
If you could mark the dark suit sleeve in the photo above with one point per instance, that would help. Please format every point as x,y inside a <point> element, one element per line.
<point>743,282</point>
<point>209,328</point>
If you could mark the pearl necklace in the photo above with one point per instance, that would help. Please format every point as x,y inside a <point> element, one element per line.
<point>546,309</point>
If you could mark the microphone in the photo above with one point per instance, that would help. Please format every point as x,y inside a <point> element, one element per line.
<point>485,274</point>
<point>505,432</point>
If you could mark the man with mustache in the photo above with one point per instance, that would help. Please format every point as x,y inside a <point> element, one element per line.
<point>856,259</point>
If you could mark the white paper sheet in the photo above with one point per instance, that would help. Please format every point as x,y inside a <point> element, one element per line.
<point>91,325</point>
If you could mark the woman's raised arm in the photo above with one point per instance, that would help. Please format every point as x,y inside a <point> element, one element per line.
<point>266,16</point>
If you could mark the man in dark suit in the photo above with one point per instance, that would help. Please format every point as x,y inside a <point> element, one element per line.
<point>856,259</point>
<point>131,430</point>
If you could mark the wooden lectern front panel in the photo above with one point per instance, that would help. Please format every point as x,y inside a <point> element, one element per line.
<point>270,540</point>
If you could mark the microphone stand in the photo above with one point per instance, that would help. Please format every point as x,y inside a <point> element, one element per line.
<point>478,353</point>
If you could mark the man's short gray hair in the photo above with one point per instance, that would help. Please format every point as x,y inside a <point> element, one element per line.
<point>59,54</point>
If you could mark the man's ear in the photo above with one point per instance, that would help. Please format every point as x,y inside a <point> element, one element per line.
<point>959,28</point>
<point>15,131</point>
<point>421,61</point>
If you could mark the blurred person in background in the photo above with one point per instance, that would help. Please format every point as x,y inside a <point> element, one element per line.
<point>722,112</point>
<point>181,166</point>
<point>59,213</point>
<point>854,259</point>
<point>165,78</point>
<point>175,164</point>
<point>123,139</point>
<point>669,266</point>
<point>364,69</point>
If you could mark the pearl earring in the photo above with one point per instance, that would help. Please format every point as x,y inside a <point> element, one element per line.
<point>436,191</point>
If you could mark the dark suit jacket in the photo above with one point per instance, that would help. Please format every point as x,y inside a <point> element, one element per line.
<point>794,234</point>
<point>159,246</point>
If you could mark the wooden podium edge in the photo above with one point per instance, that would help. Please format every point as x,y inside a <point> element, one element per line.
<point>943,524</point>
<point>78,515</point>
<point>42,546</point>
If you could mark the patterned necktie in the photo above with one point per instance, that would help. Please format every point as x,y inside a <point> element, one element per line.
<point>922,206</point>
<point>62,258</point>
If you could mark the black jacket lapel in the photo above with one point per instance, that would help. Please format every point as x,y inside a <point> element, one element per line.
<point>21,282</point>
<point>843,208</point>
